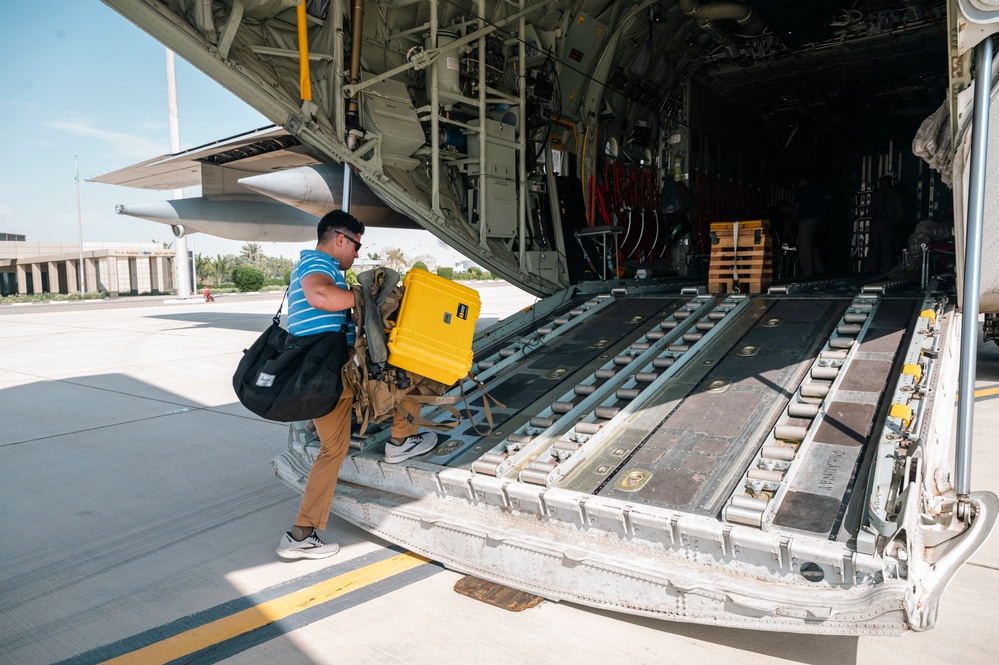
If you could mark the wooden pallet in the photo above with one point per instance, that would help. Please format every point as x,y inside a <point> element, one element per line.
<point>746,267</point>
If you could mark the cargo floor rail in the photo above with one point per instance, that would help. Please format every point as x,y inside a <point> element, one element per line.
<point>763,487</point>
<point>560,436</point>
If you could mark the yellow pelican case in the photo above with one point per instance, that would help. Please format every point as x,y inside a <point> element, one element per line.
<point>434,328</point>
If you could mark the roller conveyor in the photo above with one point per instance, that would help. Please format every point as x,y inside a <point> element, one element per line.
<point>764,486</point>
<point>562,347</point>
<point>634,363</point>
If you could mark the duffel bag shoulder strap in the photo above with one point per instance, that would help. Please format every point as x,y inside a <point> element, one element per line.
<point>486,398</point>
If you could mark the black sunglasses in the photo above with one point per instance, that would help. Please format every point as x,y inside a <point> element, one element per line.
<point>357,245</point>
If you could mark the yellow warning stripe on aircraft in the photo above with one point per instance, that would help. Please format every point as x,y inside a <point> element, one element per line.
<point>265,613</point>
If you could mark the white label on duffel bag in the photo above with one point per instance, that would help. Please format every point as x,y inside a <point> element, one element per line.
<point>265,380</point>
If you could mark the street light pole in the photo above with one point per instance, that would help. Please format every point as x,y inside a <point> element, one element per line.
<point>181,262</point>
<point>79,219</point>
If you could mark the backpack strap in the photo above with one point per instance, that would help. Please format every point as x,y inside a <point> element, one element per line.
<point>486,398</point>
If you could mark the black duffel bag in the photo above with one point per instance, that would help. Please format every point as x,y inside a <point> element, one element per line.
<point>283,377</point>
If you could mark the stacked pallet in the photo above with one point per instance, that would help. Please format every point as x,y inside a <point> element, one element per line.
<point>741,257</point>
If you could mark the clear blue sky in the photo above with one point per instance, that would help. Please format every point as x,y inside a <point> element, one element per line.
<point>78,78</point>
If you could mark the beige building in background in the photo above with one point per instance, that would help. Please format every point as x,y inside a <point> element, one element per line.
<point>28,267</point>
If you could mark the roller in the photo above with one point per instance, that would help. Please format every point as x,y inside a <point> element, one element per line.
<point>742,515</point>
<point>641,346</point>
<point>833,355</point>
<point>587,428</point>
<point>541,422</point>
<point>620,291</point>
<point>655,335</point>
<point>562,407</point>
<point>604,373</point>
<point>606,412</point>
<point>692,336</point>
<point>848,329</point>
<point>534,477</point>
<point>488,463</point>
<point>561,321</point>
<point>576,312</point>
<point>627,394</point>
<point>704,325</point>
<point>802,410</point>
<point>646,377</point>
<point>506,353</point>
<point>789,433</point>
<point>622,360</point>
<point>669,325</point>
<point>828,373</point>
<point>545,466</point>
<point>765,475</point>
<point>663,363</point>
<point>562,444</point>
<point>519,438</point>
<point>840,342</point>
<point>744,501</point>
<point>584,389</point>
<point>716,315</point>
<point>547,330</point>
<point>486,364</point>
<point>680,348</point>
<point>781,453</point>
<point>681,314</point>
<point>855,317</point>
<point>814,389</point>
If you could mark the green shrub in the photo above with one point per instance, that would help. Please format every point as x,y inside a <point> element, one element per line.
<point>247,278</point>
<point>421,265</point>
<point>447,273</point>
<point>475,272</point>
<point>351,276</point>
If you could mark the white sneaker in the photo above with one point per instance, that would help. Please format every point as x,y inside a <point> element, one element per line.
<point>309,548</point>
<point>411,447</point>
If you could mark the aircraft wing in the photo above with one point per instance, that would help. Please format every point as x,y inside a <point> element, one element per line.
<point>261,150</point>
<point>264,184</point>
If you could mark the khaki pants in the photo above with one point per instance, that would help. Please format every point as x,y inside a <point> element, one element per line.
<point>334,442</point>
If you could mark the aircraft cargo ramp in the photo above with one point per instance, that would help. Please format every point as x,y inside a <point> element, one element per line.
<point>772,461</point>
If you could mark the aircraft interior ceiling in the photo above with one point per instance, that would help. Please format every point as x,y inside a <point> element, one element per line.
<point>887,64</point>
<point>735,100</point>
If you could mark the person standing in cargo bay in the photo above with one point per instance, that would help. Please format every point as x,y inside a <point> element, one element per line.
<point>886,213</point>
<point>320,300</point>
<point>808,202</point>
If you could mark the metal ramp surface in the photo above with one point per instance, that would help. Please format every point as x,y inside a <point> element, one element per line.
<point>667,452</point>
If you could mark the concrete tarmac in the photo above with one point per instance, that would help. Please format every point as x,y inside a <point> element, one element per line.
<point>140,516</point>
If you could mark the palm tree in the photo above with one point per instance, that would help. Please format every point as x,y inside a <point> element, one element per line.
<point>251,251</point>
<point>223,267</point>
<point>395,259</point>
<point>204,269</point>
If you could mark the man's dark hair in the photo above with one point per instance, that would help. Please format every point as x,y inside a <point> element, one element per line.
<point>338,221</point>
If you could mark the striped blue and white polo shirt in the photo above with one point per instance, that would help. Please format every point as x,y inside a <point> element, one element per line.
<point>303,318</point>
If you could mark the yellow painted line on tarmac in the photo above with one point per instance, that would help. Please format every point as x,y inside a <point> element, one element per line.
<point>265,613</point>
<point>984,392</point>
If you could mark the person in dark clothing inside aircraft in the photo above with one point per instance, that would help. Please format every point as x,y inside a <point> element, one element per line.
<point>808,202</point>
<point>886,213</point>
